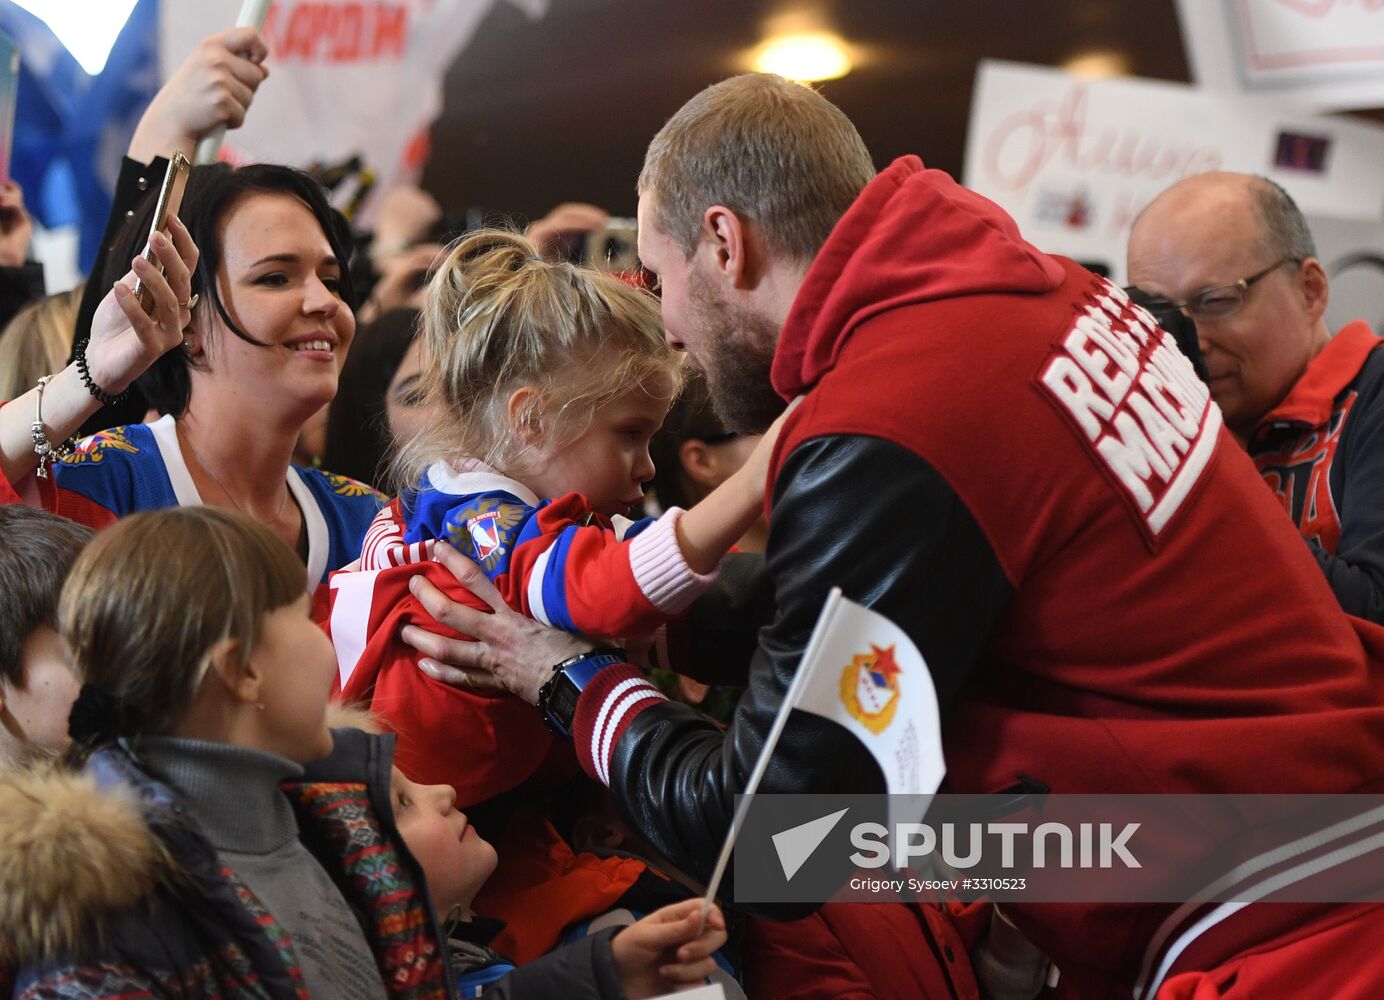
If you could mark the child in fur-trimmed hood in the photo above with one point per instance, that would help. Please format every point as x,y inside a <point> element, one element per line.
<point>219,840</point>
<point>195,853</point>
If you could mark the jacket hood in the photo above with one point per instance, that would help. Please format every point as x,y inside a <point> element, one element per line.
<point>913,236</point>
<point>71,852</point>
<point>344,715</point>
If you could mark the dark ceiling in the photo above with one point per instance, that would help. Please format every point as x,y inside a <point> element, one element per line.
<point>561,109</point>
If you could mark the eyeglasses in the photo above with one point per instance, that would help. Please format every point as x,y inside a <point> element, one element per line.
<point>1220,302</point>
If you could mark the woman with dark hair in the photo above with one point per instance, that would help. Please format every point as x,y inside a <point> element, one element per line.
<point>378,405</point>
<point>244,343</point>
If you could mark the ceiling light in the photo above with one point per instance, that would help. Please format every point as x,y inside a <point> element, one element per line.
<point>87,28</point>
<point>805,58</point>
<point>1098,65</point>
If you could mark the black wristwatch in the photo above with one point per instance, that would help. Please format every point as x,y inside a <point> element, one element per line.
<point>557,699</point>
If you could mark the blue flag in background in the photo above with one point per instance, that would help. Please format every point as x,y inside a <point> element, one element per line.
<point>71,129</point>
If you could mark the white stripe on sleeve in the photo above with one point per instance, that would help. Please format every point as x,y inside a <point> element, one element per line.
<point>644,691</point>
<point>535,588</point>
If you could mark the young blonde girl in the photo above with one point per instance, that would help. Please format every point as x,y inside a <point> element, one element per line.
<point>548,381</point>
<point>194,854</point>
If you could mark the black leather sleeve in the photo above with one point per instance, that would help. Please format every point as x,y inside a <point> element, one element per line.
<point>876,520</point>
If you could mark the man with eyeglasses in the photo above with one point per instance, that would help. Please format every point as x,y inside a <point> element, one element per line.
<point>1234,253</point>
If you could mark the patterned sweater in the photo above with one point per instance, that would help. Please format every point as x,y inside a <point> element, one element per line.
<point>132,900</point>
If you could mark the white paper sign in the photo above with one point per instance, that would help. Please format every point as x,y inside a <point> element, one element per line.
<point>714,991</point>
<point>347,77</point>
<point>1326,53</point>
<point>1074,161</point>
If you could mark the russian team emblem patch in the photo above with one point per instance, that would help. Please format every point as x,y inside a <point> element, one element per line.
<point>485,533</point>
<point>485,527</point>
<point>870,688</point>
<point>94,448</point>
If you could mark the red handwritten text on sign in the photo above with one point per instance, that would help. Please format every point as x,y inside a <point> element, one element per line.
<point>1026,142</point>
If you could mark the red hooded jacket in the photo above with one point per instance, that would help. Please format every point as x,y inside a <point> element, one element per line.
<point>1002,455</point>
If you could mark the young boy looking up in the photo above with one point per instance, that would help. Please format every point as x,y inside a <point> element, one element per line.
<point>667,950</point>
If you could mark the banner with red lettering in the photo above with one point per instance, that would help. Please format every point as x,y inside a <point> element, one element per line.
<point>1075,160</point>
<point>349,78</point>
<point>1326,53</point>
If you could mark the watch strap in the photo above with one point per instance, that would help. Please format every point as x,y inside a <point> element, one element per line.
<point>572,675</point>
<point>581,672</point>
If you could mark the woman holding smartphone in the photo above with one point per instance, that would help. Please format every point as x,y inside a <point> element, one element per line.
<point>242,343</point>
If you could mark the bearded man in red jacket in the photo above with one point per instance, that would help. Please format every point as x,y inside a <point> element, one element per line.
<point>1000,453</point>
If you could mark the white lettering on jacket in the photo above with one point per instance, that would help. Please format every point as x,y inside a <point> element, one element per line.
<point>1143,413</point>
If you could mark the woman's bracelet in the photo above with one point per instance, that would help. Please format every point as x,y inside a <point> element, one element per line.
<point>102,397</point>
<point>43,448</point>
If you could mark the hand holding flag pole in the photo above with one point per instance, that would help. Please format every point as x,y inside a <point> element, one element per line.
<point>771,741</point>
<point>863,672</point>
<point>252,15</point>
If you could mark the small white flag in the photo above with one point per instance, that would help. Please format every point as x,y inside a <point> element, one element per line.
<point>862,671</point>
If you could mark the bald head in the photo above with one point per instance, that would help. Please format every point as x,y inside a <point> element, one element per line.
<point>1238,250</point>
<point>1279,224</point>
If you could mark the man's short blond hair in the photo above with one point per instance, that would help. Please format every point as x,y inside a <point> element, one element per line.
<point>775,152</point>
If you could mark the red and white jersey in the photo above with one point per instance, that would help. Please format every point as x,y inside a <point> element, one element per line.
<point>553,560</point>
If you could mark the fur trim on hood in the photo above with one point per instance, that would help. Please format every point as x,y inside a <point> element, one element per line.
<point>70,853</point>
<point>343,715</point>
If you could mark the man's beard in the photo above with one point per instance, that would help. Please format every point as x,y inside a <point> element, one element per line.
<point>737,356</point>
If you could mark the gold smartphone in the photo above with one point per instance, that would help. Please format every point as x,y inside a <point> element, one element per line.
<point>170,200</point>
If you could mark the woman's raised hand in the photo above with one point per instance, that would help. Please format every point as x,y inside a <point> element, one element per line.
<point>125,340</point>
<point>212,87</point>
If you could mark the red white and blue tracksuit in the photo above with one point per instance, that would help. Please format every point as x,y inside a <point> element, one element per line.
<point>122,470</point>
<point>554,560</point>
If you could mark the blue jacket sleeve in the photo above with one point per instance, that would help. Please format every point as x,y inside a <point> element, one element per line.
<point>1356,570</point>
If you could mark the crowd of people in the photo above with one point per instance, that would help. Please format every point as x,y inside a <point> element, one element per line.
<point>400,614</point>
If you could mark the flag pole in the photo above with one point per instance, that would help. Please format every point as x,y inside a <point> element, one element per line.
<point>814,643</point>
<point>252,15</point>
